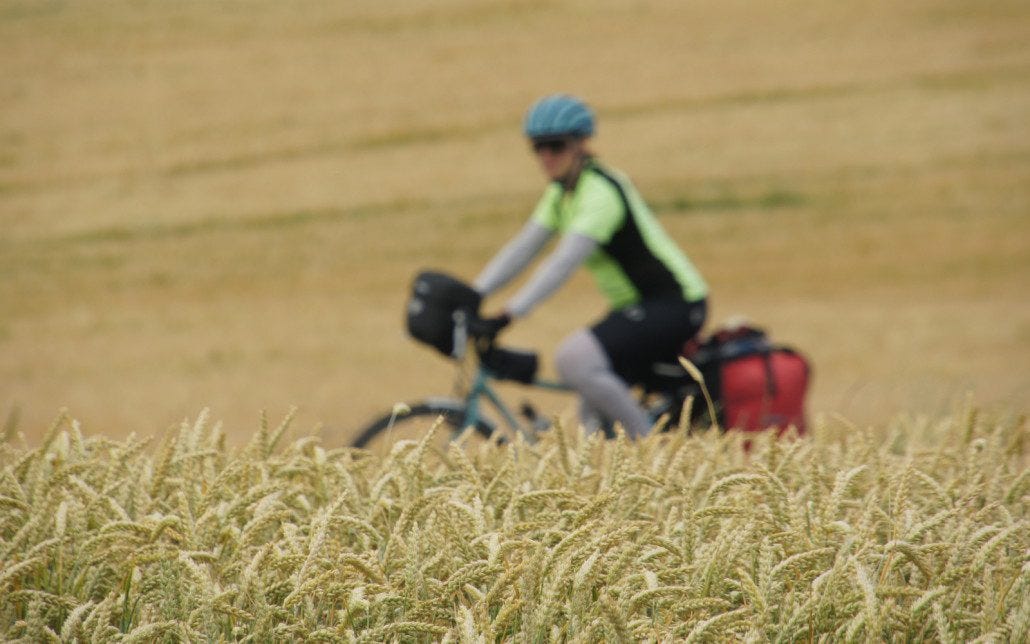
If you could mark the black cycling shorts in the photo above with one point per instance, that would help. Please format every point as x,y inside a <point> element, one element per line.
<point>638,336</point>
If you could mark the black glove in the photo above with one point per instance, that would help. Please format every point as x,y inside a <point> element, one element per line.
<point>486,329</point>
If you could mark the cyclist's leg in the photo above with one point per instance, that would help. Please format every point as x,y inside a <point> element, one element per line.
<point>592,419</point>
<point>583,363</point>
<point>631,340</point>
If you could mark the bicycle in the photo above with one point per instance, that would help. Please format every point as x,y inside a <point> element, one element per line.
<point>746,381</point>
<point>465,409</point>
<point>440,312</point>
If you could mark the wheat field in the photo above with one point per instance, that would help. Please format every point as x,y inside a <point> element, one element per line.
<point>220,205</point>
<point>842,537</point>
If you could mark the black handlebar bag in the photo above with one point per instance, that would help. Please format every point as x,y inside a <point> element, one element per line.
<point>439,309</point>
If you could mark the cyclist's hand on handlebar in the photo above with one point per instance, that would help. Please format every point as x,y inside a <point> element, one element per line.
<point>487,329</point>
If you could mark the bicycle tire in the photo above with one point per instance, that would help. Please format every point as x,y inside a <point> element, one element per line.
<point>422,414</point>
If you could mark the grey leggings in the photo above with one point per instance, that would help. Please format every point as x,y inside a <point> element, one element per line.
<point>583,364</point>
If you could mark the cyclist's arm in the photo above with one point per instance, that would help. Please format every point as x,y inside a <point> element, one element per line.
<point>552,273</point>
<point>513,258</point>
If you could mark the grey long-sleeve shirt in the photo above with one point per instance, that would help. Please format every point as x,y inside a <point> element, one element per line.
<point>555,270</point>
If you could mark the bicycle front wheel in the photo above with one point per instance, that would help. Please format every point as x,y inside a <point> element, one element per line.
<point>380,435</point>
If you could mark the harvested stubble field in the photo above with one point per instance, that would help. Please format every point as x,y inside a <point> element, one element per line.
<point>222,204</point>
<point>844,537</point>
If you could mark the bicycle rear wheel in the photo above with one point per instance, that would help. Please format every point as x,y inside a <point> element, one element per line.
<point>380,435</point>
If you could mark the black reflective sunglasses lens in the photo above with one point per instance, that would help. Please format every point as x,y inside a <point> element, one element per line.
<point>556,146</point>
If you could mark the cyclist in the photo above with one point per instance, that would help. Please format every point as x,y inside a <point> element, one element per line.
<point>657,296</point>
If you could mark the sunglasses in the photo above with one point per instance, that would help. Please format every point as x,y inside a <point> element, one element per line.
<point>554,146</point>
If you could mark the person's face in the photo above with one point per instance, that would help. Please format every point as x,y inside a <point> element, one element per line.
<point>559,156</point>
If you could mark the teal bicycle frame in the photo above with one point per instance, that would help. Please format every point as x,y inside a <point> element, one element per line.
<point>481,388</point>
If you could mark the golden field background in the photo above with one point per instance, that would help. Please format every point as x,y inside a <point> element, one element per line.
<point>222,204</point>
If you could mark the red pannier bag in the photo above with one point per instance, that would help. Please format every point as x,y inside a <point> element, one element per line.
<point>764,391</point>
<point>757,385</point>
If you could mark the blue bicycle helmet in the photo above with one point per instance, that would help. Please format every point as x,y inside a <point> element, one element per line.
<point>559,115</point>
